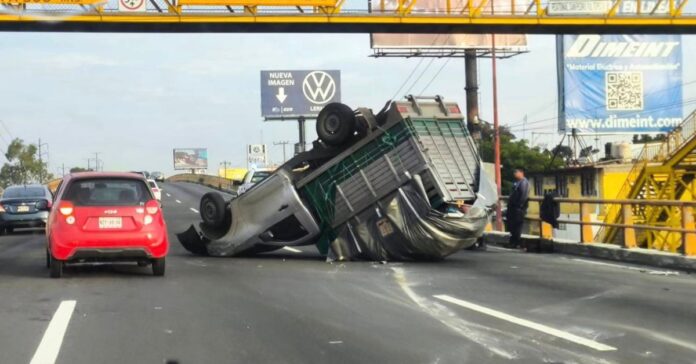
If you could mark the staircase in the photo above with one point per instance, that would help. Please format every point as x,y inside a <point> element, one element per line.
<point>663,171</point>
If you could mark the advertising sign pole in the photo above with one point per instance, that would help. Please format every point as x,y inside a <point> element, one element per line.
<point>301,126</point>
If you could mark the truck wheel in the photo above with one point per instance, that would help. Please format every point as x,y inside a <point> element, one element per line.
<point>335,124</point>
<point>213,209</point>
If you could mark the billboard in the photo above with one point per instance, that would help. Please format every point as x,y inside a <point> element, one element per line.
<point>190,158</point>
<point>291,94</point>
<point>516,42</point>
<point>619,83</point>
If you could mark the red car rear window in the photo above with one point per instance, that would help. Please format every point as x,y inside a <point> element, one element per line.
<point>108,192</point>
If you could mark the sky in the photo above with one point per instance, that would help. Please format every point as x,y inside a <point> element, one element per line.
<point>134,97</point>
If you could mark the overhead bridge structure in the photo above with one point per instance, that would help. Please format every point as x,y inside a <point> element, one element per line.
<point>353,16</point>
<point>664,171</point>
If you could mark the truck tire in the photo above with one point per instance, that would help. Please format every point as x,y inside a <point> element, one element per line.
<point>336,124</point>
<point>212,209</point>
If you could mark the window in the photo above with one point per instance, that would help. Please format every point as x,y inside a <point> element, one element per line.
<point>538,186</point>
<point>259,176</point>
<point>587,184</point>
<point>108,192</point>
<point>24,192</point>
<point>562,186</point>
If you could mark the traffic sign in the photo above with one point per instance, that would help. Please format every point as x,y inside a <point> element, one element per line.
<point>256,154</point>
<point>291,94</point>
<point>132,5</point>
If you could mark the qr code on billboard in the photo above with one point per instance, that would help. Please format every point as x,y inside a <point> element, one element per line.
<point>624,90</point>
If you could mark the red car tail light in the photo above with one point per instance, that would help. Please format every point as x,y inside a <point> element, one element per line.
<point>66,208</point>
<point>152,207</point>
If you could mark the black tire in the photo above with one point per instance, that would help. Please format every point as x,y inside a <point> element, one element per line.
<point>212,209</point>
<point>336,124</point>
<point>48,259</point>
<point>56,267</point>
<point>158,267</point>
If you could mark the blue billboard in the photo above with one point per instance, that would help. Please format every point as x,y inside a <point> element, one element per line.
<point>291,94</point>
<point>619,83</point>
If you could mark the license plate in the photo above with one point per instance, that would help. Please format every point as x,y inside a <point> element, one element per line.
<point>110,223</point>
<point>22,208</point>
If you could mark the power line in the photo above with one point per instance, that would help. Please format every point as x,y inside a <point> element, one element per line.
<point>435,76</point>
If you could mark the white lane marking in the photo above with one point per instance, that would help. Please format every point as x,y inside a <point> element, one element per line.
<point>292,249</point>
<point>168,195</point>
<point>194,210</point>
<point>48,349</point>
<point>177,201</point>
<point>526,323</point>
<point>628,267</point>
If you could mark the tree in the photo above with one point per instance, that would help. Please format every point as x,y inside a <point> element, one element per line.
<point>514,154</point>
<point>646,138</point>
<point>23,165</point>
<point>79,169</point>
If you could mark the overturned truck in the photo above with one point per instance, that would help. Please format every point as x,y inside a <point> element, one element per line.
<point>403,184</point>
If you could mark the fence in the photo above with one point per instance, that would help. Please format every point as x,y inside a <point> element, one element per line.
<point>681,239</point>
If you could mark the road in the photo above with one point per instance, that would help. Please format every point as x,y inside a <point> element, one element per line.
<point>291,306</point>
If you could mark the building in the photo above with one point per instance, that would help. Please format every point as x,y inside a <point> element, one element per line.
<point>598,181</point>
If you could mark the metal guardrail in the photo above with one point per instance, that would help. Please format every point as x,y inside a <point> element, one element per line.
<point>685,234</point>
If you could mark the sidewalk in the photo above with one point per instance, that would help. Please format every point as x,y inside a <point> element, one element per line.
<point>601,251</point>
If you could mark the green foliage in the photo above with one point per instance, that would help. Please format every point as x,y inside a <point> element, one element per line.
<point>79,169</point>
<point>514,154</point>
<point>645,138</point>
<point>23,165</point>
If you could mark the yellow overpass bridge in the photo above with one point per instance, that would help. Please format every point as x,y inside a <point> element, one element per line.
<point>341,16</point>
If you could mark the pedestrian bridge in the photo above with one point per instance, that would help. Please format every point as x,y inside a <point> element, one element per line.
<point>346,16</point>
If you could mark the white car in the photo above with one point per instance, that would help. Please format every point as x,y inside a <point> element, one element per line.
<point>155,189</point>
<point>253,177</point>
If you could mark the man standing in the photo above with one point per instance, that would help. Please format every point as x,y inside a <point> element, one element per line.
<point>517,207</point>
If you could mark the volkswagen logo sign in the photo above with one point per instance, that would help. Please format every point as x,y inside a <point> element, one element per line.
<point>319,87</point>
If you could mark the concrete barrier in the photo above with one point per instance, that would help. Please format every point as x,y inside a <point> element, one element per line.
<point>649,257</point>
<point>218,183</point>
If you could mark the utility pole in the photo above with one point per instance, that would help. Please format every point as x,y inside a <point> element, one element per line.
<point>41,151</point>
<point>96,162</point>
<point>496,128</point>
<point>284,144</point>
<point>224,166</point>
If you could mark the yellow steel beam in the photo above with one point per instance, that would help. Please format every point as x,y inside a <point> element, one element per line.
<point>53,2</point>
<point>256,2</point>
<point>362,22</point>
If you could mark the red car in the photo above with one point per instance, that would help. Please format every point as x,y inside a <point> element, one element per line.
<point>103,216</point>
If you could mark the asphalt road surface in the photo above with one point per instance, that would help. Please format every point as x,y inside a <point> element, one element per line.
<point>291,306</point>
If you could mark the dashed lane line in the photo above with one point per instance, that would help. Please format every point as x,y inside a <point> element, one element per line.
<point>293,250</point>
<point>526,323</point>
<point>48,349</point>
<point>168,195</point>
<point>177,201</point>
<point>194,210</point>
